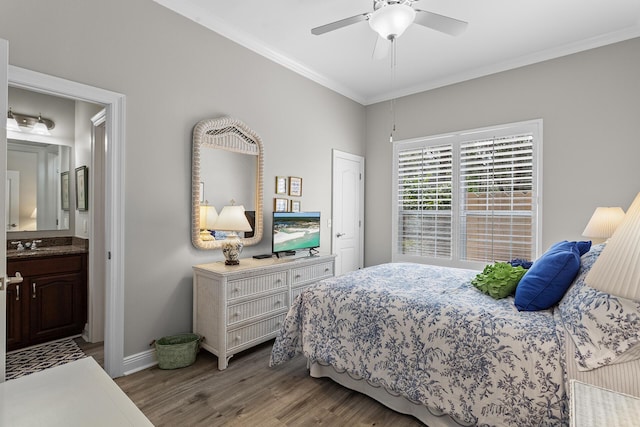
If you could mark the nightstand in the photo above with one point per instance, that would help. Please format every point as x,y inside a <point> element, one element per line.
<point>596,406</point>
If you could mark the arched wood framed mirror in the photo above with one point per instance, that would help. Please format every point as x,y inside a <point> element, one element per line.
<point>227,164</point>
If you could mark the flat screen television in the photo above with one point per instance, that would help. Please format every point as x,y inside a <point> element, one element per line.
<point>294,231</point>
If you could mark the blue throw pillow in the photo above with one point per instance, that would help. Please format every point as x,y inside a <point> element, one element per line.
<point>545,283</point>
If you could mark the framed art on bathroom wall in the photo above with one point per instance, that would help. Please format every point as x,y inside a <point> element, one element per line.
<point>82,188</point>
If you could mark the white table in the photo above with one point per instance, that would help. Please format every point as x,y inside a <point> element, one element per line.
<point>79,393</point>
<point>593,406</point>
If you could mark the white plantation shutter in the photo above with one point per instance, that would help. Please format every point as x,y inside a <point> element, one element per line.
<point>424,201</point>
<point>496,185</point>
<point>467,199</point>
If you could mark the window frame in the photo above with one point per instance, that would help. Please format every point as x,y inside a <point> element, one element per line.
<point>455,139</point>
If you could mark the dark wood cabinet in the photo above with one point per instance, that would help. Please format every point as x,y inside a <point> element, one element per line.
<point>50,303</point>
<point>15,337</point>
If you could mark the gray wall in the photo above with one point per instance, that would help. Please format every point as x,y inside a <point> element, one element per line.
<point>590,104</point>
<point>175,73</point>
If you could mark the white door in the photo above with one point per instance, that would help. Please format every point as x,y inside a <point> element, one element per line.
<point>4,59</point>
<point>347,233</point>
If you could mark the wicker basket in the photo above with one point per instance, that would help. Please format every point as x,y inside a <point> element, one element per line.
<point>177,351</point>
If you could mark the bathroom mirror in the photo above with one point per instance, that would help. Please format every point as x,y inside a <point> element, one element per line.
<point>227,164</point>
<point>37,182</point>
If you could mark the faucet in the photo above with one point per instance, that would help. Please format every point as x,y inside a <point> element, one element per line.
<point>19,247</point>
<point>31,245</point>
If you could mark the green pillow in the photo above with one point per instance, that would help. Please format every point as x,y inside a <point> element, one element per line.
<point>499,280</point>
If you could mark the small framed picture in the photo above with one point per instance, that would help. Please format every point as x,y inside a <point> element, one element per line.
<point>295,206</point>
<point>280,205</point>
<point>82,188</point>
<point>281,185</point>
<point>295,186</point>
<point>64,190</point>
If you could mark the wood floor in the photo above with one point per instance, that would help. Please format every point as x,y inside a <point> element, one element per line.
<point>94,350</point>
<point>249,393</point>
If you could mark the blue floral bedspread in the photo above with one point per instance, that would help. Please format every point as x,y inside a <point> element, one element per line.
<point>425,332</point>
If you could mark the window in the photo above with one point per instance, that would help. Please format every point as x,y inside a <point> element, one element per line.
<point>468,198</point>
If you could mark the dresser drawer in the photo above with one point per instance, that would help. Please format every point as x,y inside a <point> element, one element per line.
<point>257,307</point>
<point>311,273</point>
<point>258,332</point>
<point>257,284</point>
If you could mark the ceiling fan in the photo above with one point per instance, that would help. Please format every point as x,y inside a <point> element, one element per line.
<point>390,18</point>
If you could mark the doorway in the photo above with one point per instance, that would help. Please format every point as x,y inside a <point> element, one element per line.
<point>347,217</point>
<point>113,260</point>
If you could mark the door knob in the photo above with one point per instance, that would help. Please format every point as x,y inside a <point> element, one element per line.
<point>15,279</point>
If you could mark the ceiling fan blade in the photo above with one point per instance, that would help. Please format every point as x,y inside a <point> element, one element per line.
<point>444,24</point>
<point>381,48</point>
<point>339,24</point>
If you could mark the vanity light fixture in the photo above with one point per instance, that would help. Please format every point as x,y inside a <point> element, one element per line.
<point>40,128</point>
<point>36,124</point>
<point>232,219</point>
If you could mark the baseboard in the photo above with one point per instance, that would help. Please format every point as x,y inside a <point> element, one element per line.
<point>138,362</point>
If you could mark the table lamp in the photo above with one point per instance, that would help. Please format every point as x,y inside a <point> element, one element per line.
<point>617,269</point>
<point>603,223</point>
<point>232,220</point>
<point>208,217</point>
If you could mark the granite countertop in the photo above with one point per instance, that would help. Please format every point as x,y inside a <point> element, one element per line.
<point>44,251</point>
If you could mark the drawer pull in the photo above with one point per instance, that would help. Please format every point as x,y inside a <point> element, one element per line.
<point>33,293</point>
<point>278,303</point>
<point>236,314</point>
<point>326,270</point>
<point>278,280</point>
<point>298,276</point>
<point>238,337</point>
<point>17,292</point>
<point>236,290</point>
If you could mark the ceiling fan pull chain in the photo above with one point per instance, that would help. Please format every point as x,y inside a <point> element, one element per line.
<point>393,82</point>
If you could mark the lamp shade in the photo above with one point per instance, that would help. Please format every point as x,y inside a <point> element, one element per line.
<point>392,20</point>
<point>603,222</point>
<point>617,269</point>
<point>12,123</point>
<point>208,217</point>
<point>232,218</point>
<point>40,128</point>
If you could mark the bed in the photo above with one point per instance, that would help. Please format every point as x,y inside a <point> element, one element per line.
<point>423,341</point>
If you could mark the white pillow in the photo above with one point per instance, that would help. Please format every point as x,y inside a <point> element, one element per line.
<point>605,328</point>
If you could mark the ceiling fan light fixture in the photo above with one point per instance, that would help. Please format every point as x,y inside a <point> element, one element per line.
<point>392,20</point>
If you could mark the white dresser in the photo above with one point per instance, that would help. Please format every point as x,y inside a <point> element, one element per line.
<point>238,307</point>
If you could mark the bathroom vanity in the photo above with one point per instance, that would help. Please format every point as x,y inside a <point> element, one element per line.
<point>51,301</point>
